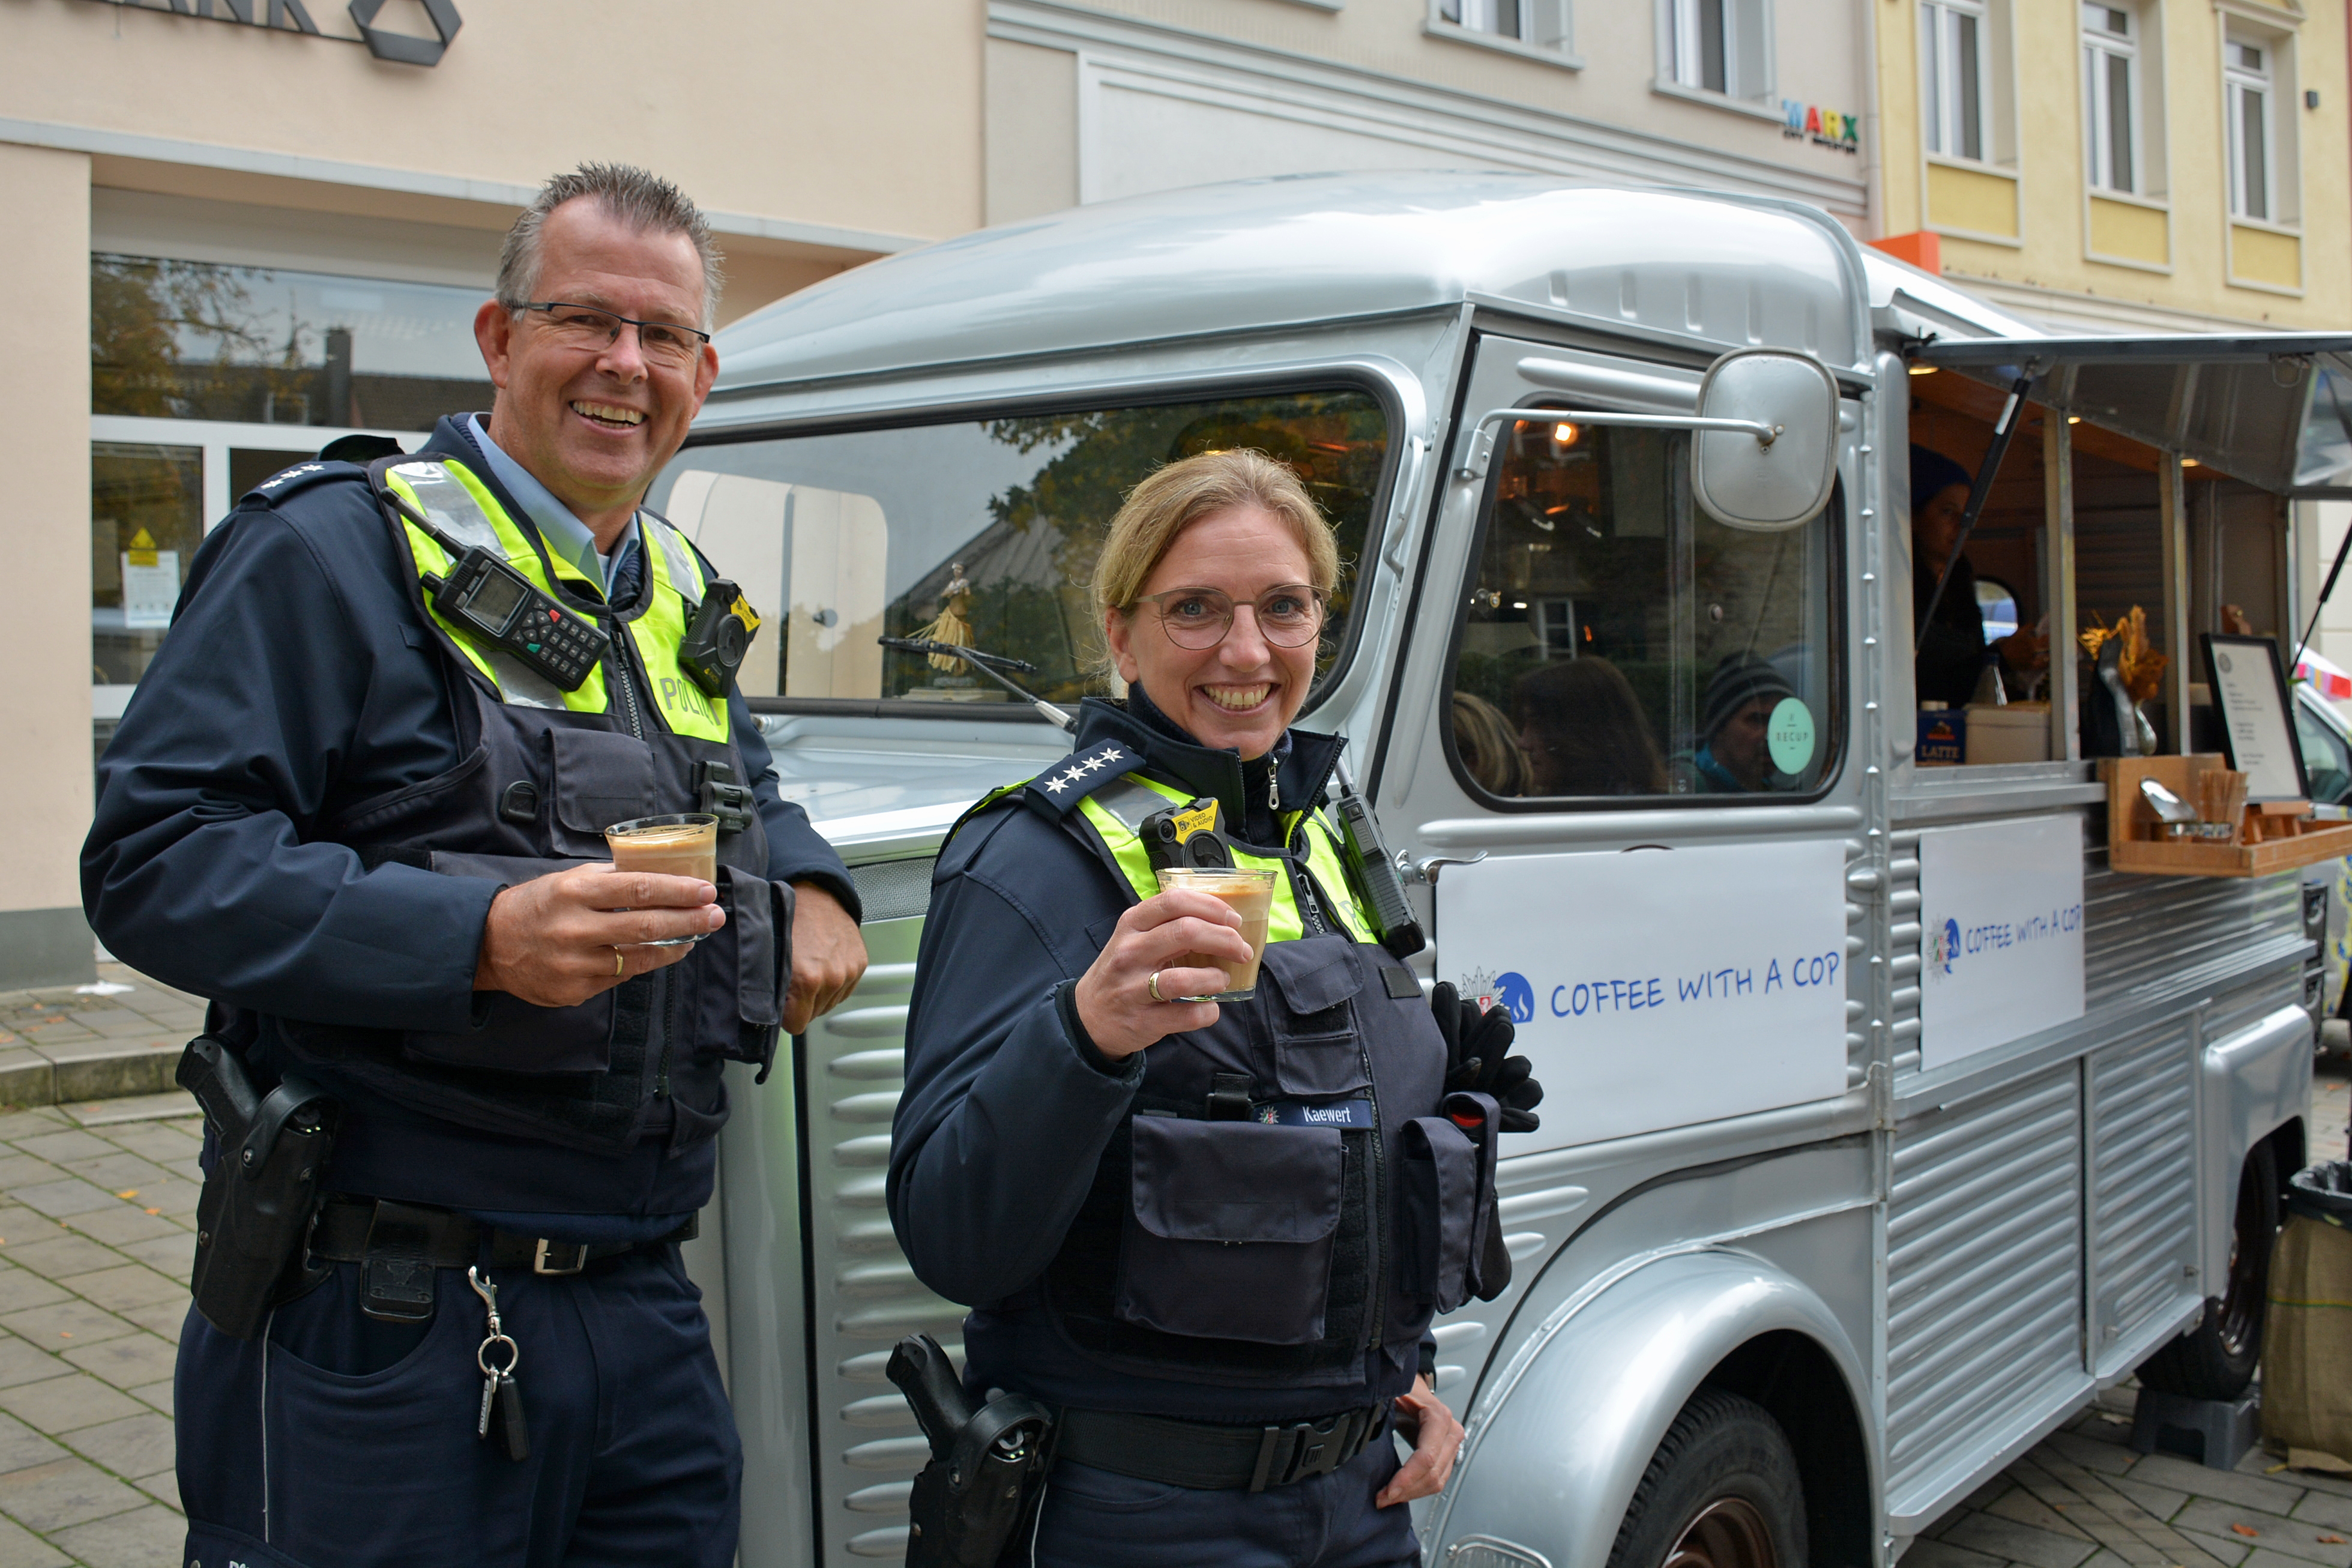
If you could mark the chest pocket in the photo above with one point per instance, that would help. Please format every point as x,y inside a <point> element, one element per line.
<point>1230,1229</point>
<point>1317,1047</point>
<point>600,777</point>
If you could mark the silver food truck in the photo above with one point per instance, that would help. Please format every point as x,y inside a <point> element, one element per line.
<point>1886,1116</point>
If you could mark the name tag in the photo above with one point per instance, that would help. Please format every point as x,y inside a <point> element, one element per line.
<point>1291,1113</point>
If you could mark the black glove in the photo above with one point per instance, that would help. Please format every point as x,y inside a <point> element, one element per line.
<point>1476,1041</point>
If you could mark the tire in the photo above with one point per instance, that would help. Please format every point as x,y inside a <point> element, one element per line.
<point>2217,1358</point>
<point>1722,1491</point>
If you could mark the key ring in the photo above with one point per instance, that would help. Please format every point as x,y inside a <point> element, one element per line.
<point>482,1357</point>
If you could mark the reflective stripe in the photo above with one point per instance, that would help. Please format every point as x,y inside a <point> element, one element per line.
<point>677,583</point>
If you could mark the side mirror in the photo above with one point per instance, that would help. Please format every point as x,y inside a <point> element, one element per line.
<point>1745,482</point>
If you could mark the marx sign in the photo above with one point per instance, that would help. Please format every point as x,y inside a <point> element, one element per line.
<point>294,17</point>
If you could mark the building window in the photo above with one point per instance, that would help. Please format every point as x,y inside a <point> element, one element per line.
<point>1542,23</point>
<point>1953,36</point>
<point>2111,97</point>
<point>1716,46</point>
<point>193,339</point>
<point>2247,79</point>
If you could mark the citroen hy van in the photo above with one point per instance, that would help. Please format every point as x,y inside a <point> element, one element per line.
<point>1879,1104</point>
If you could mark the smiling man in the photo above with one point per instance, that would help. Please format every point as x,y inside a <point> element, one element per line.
<point>359,801</point>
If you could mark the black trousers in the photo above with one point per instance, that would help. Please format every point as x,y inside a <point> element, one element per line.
<point>338,1441</point>
<point>1094,1519</point>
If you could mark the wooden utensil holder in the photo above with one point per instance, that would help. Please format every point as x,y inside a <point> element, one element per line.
<point>2275,836</point>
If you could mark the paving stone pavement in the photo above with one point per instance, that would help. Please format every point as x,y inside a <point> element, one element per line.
<point>78,1044</point>
<point>95,1237</point>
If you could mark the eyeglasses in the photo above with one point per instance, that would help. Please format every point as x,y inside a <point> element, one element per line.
<point>1288,617</point>
<point>586,327</point>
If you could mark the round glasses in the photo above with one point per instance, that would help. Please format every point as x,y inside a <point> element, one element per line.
<point>587,328</point>
<point>1288,616</point>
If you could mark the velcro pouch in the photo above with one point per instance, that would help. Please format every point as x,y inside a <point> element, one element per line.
<point>741,972</point>
<point>1230,1228</point>
<point>601,777</point>
<point>1315,1048</point>
<point>1437,1193</point>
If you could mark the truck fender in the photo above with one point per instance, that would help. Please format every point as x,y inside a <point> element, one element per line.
<point>2256,1081</point>
<point>1555,1451</point>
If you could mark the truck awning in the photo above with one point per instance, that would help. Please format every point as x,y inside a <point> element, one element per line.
<point>2273,409</point>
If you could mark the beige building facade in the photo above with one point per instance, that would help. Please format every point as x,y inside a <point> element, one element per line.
<point>243,228</point>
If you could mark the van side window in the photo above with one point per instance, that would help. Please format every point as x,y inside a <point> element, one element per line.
<point>1615,642</point>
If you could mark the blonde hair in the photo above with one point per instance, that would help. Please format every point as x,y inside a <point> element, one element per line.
<point>1175,498</point>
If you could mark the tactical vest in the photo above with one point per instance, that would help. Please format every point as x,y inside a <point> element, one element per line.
<point>1282,1195</point>
<point>544,771</point>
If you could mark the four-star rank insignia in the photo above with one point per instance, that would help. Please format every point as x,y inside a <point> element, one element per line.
<point>1075,777</point>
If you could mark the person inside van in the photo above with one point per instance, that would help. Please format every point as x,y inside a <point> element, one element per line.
<point>1952,646</point>
<point>1583,733</point>
<point>1488,747</point>
<point>1733,755</point>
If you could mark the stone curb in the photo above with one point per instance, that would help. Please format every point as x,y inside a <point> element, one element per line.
<point>120,1037</point>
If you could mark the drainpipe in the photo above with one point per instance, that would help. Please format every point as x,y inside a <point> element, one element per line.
<point>1874,160</point>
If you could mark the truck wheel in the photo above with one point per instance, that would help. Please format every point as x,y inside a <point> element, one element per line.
<point>2216,1359</point>
<point>1722,1491</point>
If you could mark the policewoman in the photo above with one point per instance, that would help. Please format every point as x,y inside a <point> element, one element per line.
<point>1211,1236</point>
<point>359,802</point>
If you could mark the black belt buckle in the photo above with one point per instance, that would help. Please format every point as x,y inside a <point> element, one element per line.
<point>396,1265</point>
<point>559,1258</point>
<point>1305,1448</point>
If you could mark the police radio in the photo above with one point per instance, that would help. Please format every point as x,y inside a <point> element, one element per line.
<point>500,605</point>
<point>718,636</point>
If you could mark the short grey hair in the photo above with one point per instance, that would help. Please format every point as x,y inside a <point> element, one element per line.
<point>645,202</point>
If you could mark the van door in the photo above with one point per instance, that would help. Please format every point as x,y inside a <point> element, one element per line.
<point>1638,717</point>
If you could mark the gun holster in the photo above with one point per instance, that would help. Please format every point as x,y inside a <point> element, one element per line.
<point>986,1466</point>
<point>254,1217</point>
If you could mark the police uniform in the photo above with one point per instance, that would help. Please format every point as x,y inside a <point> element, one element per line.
<point>313,796</point>
<point>1218,1258</point>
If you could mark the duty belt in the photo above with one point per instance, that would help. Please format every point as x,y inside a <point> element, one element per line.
<point>350,1229</point>
<point>1210,1457</point>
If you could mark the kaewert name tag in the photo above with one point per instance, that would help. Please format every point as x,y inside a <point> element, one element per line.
<point>1658,988</point>
<point>2000,934</point>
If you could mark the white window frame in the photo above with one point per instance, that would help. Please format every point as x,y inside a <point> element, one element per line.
<point>2238,82</point>
<point>1542,29</point>
<point>2101,50</point>
<point>1942,102</point>
<point>1747,53</point>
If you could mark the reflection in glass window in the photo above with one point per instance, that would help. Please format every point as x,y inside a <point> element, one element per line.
<point>1996,608</point>
<point>192,340</point>
<point>981,533</point>
<point>2326,760</point>
<point>146,518</point>
<point>1616,643</point>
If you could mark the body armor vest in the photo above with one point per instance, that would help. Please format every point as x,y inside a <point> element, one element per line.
<point>1271,1208</point>
<point>545,773</point>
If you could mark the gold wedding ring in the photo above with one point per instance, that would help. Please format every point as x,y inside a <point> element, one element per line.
<point>620,964</point>
<point>1152,986</point>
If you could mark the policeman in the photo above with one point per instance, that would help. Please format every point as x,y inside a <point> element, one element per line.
<point>368,824</point>
<point>1210,1237</point>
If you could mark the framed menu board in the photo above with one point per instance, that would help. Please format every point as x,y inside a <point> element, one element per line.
<point>2258,735</point>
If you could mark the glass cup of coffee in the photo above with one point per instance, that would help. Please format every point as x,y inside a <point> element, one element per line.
<point>685,844</point>
<point>1251,894</point>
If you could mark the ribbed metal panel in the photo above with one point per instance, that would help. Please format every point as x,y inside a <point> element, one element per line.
<point>2143,1120</point>
<point>863,1294</point>
<point>2140,930</point>
<point>1903,947</point>
<point>1984,1292</point>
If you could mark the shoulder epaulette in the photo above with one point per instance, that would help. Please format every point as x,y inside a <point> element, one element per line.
<point>1057,790</point>
<point>275,490</point>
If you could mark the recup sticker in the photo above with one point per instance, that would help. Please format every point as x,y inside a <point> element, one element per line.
<point>1658,988</point>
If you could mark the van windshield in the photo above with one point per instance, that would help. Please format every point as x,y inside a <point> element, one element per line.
<point>981,533</point>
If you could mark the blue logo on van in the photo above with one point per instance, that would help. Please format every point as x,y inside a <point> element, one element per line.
<point>1950,944</point>
<point>1516,996</point>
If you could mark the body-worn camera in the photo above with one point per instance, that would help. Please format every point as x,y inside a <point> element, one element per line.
<point>501,607</point>
<point>1186,836</point>
<point>718,636</point>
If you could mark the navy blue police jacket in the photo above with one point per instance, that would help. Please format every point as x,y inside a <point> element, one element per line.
<point>297,678</point>
<point>1008,1104</point>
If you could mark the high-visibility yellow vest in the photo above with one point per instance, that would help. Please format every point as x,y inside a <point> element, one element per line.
<point>462,506</point>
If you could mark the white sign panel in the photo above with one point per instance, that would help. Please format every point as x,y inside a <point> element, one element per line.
<point>1658,988</point>
<point>151,586</point>
<point>2001,938</point>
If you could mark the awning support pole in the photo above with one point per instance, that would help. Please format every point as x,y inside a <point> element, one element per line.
<point>2003,428</point>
